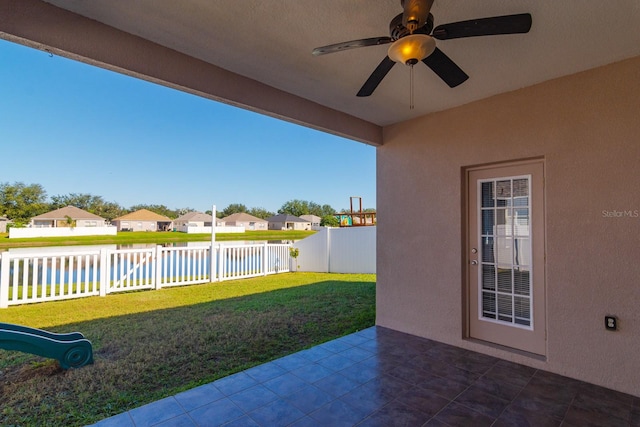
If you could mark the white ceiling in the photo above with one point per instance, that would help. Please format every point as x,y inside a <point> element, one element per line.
<point>271,41</point>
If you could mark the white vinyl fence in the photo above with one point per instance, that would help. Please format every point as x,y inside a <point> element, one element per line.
<point>194,229</point>
<point>338,250</point>
<point>52,276</point>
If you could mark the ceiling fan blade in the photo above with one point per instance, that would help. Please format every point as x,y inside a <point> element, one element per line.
<point>376,77</point>
<point>508,24</point>
<point>445,68</point>
<point>374,41</point>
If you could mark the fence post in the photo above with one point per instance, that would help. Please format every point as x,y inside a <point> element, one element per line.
<point>328,249</point>
<point>265,255</point>
<point>213,270</point>
<point>222,269</point>
<point>157,272</point>
<point>105,273</point>
<point>4,280</point>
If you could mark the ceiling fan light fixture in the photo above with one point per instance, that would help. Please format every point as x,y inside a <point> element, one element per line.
<point>412,49</point>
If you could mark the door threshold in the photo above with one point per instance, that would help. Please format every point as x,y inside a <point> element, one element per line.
<point>538,357</point>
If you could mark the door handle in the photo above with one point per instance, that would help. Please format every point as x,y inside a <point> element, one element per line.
<point>474,262</point>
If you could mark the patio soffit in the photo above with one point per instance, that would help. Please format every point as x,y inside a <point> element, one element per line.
<point>260,51</point>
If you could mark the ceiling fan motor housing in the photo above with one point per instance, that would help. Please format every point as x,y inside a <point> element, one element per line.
<point>397,30</point>
<point>415,13</point>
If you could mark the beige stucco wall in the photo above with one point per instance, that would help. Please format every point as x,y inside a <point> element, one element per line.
<point>587,129</point>
<point>91,223</point>
<point>257,225</point>
<point>289,226</point>
<point>63,223</point>
<point>136,225</point>
<point>302,226</point>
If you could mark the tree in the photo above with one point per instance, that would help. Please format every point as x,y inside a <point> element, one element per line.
<point>302,207</point>
<point>294,253</point>
<point>313,209</point>
<point>356,209</point>
<point>159,209</point>
<point>231,209</point>
<point>183,211</point>
<point>110,210</point>
<point>329,221</point>
<point>295,207</point>
<point>327,210</point>
<point>94,204</point>
<point>70,221</point>
<point>80,201</point>
<point>20,202</point>
<point>260,213</point>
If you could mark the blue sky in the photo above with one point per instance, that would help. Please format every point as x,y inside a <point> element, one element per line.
<point>74,128</point>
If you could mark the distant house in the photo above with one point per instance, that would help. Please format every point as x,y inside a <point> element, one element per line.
<point>313,219</point>
<point>288,222</point>
<point>143,220</point>
<point>3,224</point>
<point>243,219</point>
<point>60,218</point>
<point>193,219</point>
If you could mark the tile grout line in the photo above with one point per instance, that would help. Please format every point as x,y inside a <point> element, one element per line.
<point>515,397</point>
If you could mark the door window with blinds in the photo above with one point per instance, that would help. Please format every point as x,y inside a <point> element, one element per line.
<point>505,282</point>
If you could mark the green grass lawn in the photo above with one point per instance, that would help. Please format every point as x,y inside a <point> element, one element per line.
<point>153,344</point>
<point>151,237</point>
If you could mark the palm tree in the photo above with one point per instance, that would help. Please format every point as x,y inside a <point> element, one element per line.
<point>70,221</point>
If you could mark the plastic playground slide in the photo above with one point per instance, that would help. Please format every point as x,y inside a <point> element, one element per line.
<point>72,350</point>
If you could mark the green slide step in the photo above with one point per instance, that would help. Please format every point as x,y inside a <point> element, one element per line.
<point>72,350</point>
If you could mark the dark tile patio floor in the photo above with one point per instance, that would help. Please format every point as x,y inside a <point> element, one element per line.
<point>380,377</point>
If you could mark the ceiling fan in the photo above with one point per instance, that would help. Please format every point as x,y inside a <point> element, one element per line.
<point>412,40</point>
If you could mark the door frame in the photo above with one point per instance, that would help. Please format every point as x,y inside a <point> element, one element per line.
<point>468,243</point>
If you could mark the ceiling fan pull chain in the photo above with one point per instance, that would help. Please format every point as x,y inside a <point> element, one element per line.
<point>411,87</point>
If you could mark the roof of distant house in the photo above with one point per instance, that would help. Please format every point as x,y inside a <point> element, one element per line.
<point>143,215</point>
<point>242,217</point>
<point>68,211</point>
<point>195,216</point>
<point>311,218</point>
<point>286,218</point>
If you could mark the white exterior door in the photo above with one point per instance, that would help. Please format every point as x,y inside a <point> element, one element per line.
<point>506,256</point>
